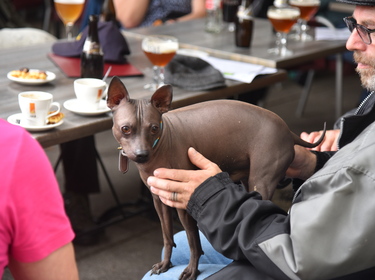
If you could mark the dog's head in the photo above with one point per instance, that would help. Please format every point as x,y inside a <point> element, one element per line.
<point>137,124</point>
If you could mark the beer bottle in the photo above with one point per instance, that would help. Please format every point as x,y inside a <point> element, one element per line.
<point>244,27</point>
<point>108,12</point>
<point>92,61</point>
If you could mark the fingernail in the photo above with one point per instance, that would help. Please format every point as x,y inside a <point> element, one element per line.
<point>149,181</point>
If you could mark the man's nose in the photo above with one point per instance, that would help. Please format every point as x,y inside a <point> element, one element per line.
<point>355,42</point>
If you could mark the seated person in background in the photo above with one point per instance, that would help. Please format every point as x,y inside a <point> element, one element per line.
<point>133,14</point>
<point>327,233</point>
<point>35,233</point>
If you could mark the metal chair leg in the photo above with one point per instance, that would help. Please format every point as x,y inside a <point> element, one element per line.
<point>107,218</point>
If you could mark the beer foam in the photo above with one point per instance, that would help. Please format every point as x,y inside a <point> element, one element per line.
<point>160,47</point>
<point>304,3</point>
<point>283,14</point>
<point>69,1</point>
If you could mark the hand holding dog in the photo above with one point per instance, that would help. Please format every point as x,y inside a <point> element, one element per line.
<point>328,144</point>
<point>183,182</point>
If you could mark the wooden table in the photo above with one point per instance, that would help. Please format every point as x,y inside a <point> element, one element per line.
<point>192,35</point>
<point>77,126</point>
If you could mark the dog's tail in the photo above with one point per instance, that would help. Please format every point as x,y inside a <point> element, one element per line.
<point>303,143</point>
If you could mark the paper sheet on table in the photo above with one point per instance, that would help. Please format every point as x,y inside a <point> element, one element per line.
<point>239,71</point>
<point>325,33</point>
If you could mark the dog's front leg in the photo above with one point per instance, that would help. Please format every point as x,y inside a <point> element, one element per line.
<point>190,225</point>
<point>165,216</point>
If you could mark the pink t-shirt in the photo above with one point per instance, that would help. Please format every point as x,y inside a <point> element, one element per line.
<point>33,222</point>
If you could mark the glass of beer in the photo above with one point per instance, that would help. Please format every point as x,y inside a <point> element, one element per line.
<point>160,50</point>
<point>282,20</point>
<point>69,11</point>
<point>308,8</point>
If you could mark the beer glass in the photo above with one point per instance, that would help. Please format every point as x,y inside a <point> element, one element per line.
<point>69,11</point>
<point>282,20</point>
<point>160,50</point>
<point>308,8</point>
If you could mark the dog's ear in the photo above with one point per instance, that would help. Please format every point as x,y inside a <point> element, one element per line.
<point>162,98</point>
<point>116,92</point>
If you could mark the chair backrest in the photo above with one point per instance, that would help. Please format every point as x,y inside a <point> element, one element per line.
<point>9,17</point>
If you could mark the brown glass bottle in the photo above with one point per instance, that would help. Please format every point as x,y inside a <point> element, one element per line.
<point>108,12</point>
<point>92,61</point>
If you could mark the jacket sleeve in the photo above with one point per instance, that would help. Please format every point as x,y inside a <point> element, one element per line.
<point>236,221</point>
<point>325,235</point>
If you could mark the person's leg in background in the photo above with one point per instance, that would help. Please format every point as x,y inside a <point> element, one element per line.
<point>81,179</point>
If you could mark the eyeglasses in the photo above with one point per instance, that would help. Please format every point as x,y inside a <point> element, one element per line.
<point>363,31</point>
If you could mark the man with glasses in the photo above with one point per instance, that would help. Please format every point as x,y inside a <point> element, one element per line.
<point>329,232</point>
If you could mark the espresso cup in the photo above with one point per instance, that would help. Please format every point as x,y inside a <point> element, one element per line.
<point>89,92</point>
<point>35,106</point>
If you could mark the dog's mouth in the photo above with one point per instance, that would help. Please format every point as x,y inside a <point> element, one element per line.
<point>140,156</point>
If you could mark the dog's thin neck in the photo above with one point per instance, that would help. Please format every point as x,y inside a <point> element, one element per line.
<point>157,139</point>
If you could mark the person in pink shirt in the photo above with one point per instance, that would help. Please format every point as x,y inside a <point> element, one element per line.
<point>35,233</point>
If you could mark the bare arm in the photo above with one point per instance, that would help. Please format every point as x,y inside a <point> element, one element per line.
<point>198,10</point>
<point>130,13</point>
<point>60,265</point>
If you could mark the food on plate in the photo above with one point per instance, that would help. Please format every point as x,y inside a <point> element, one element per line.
<point>26,73</point>
<point>55,118</point>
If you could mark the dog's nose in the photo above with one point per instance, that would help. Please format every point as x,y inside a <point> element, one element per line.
<point>142,156</point>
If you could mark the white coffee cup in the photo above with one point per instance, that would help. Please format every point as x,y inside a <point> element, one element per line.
<point>89,92</point>
<point>35,106</point>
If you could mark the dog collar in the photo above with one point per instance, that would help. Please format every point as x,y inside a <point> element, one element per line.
<point>157,139</point>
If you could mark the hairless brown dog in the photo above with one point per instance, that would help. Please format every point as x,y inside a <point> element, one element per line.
<point>252,144</point>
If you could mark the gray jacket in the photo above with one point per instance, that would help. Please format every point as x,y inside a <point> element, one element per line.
<point>329,232</point>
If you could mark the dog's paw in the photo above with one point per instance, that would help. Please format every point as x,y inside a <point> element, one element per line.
<point>161,267</point>
<point>189,274</point>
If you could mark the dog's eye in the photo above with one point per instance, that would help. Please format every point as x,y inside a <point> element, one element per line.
<point>126,129</point>
<point>154,129</point>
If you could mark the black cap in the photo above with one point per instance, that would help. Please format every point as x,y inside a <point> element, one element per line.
<point>192,73</point>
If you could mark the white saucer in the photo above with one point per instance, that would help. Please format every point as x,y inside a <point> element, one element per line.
<point>16,119</point>
<point>50,77</point>
<point>74,106</point>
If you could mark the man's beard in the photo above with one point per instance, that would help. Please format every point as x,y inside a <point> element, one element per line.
<point>367,75</point>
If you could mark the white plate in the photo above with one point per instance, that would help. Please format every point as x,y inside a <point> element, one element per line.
<point>16,119</point>
<point>191,52</point>
<point>74,106</point>
<point>50,77</point>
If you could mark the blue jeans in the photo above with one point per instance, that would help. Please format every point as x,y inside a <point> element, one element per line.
<point>209,263</point>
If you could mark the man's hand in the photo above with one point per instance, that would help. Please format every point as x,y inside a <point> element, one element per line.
<point>175,186</point>
<point>329,142</point>
<point>303,165</point>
